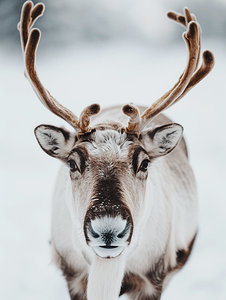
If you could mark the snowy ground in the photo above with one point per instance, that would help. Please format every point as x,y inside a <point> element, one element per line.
<point>116,73</point>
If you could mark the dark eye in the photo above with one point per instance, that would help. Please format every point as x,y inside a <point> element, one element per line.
<point>144,165</point>
<point>72,165</point>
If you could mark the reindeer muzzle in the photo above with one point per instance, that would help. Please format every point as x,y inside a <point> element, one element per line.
<point>109,233</point>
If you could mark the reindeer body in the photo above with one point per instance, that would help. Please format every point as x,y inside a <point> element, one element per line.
<point>125,206</point>
<point>162,237</point>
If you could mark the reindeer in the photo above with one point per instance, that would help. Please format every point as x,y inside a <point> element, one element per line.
<point>124,214</point>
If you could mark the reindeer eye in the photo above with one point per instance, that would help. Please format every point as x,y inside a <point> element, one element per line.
<point>72,165</point>
<point>144,165</point>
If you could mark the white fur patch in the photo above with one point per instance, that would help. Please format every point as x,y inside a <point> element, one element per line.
<point>105,278</point>
<point>110,140</point>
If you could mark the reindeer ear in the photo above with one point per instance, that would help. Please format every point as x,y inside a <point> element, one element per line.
<point>55,141</point>
<point>162,139</point>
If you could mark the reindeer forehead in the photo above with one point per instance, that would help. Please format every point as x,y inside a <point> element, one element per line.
<point>108,143</point>
<point>108,152</point>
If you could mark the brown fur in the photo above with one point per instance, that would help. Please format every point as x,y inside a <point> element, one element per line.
<point>70,275</point>
<point>134,285</point>
<point>183,255</point>
<point>108,195</point>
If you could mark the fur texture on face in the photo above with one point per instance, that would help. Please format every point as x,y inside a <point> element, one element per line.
<point>111,209</point>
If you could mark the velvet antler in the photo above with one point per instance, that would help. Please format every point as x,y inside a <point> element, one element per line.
<point>189,78</point>
<point>29,41</point>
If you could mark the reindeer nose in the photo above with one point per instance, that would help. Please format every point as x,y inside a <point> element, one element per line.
<point>108,236</point>
<point>108,229</point>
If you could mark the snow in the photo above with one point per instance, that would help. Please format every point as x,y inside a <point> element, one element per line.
<point>108,74</point>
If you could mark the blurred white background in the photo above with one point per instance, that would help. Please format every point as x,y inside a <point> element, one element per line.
<point>107,52</point>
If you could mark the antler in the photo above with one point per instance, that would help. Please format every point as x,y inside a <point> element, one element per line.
<point>189,78</point>
<point>29,41</point>
<point>133,112</point>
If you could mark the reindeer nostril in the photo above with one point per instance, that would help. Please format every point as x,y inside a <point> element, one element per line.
<point>125,230</point>
<point>94,234</point>
<point>108,237</point>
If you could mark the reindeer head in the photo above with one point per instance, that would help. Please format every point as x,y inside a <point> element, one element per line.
<point>107,165</point>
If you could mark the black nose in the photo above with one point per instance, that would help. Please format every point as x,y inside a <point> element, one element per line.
<point>108,237</point>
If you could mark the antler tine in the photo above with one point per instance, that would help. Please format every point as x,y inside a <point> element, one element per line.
<point>84,119</point>
<point>205,68</point>
<point>28,17</point>
<point>29,40</point>
<point>207,56</point>
<point>133,112</point>
<point>184,21</point>
<point>191,76</point>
